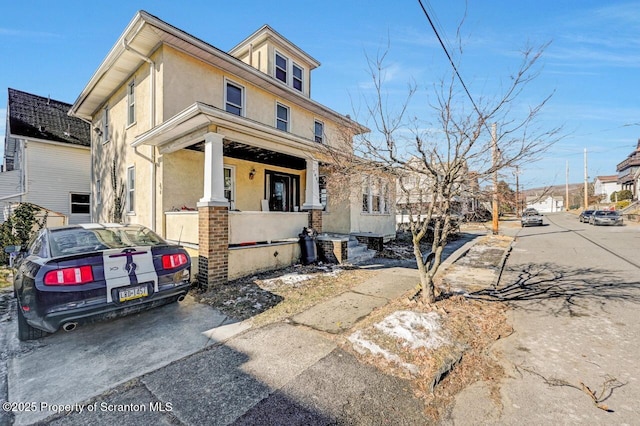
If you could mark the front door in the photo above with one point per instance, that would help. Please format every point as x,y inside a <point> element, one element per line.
<point>282,190</point>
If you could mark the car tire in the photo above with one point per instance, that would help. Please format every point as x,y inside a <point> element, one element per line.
<point>25,331</point>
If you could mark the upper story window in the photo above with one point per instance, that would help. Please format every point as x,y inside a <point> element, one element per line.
<point>297,77</point>
<point>105,125</point>
<point>131,103</point>
<point>282,117</point>
<point>234,99</point>
<point>319,131</point>
<point>282,65</point>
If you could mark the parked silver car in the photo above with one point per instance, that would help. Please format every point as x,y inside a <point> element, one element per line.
<point>531,219</point>
<point>606,217</point>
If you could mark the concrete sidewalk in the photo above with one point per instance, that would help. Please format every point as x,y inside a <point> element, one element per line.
<point>284,373</point>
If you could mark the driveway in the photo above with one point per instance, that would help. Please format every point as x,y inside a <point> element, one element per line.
<point>575,296</point>
<point>67,368</point>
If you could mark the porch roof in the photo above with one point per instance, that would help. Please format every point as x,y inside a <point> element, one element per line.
<point>189,127</point>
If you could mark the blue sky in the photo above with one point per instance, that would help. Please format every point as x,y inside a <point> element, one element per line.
<point>593,62</point>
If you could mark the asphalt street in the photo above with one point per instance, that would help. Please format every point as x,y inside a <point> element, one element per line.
<point>575,295</point>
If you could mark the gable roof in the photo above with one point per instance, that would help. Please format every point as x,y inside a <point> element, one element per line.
<point>608,178</point>
<point>37,117</point>
<point>142,37</point>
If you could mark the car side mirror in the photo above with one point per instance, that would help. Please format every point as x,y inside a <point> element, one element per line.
<point>13,249</point>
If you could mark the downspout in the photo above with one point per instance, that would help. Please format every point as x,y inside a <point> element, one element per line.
<point>152,158</point>
<point>91,170</point>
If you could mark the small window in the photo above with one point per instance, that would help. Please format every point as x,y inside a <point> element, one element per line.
<point>105,125</point>
<point>80,204</point>
<point>131,189</point>
<point>282,117</point>
<point>319,131</point>
<point>234,99</point>
<point>98,192</point>
<point>131,103</point>
<point>297,77</point>
<point>281,68</point>
<point>229,186</point>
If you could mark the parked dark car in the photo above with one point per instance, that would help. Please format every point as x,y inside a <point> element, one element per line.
<point>585,215</point>
<point>74,274</point>
<point>606,217</point>
<point>531,219</point>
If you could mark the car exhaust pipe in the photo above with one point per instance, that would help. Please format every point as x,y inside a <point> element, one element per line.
<point>181,298</point>
<point>69,326</point>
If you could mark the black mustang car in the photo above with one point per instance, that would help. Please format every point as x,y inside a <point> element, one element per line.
<point>74,274</point>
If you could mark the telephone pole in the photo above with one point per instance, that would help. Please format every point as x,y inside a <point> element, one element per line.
<point>517,191</point>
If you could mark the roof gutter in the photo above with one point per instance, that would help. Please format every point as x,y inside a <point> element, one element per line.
<point>152,157</point>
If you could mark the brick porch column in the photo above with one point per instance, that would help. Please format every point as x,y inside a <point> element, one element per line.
<point>213,218</point>
<point>213,250</point>
<point>315,220</point>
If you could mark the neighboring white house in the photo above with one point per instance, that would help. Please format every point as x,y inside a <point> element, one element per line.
<point>546,204</point>
<point>47,158</point>
<point>605,186</point>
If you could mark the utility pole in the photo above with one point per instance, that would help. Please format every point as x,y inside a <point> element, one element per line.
<point>494,154</point>
<point>586,182</point>
<point>566,190</point>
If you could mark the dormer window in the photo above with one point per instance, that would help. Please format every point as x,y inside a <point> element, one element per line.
<point>282,64</point>
<point>289,72</point>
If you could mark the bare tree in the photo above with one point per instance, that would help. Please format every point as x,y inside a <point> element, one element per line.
<point>440,160</point>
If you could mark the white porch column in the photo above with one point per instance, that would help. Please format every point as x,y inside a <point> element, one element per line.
<point>213,172</point>
<point>312,193</point>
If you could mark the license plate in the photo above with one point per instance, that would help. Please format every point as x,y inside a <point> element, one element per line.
<point>131,293</point>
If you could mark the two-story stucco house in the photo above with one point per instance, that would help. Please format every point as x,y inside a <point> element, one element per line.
<point>604,186</point>
<point>47,158</point>
<point>222,151</point>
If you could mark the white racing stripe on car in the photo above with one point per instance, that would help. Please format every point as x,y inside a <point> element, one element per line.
<point>130,266</point>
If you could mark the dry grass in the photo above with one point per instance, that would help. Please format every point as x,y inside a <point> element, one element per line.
<point>6,276</point>
<point>266,299</point>
<point>471,327</point>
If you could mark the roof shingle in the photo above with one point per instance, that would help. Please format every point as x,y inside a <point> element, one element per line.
<point>33,116</point>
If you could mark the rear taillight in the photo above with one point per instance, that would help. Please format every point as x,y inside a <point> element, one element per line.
<point>170,261</point>
<point>69,276</point>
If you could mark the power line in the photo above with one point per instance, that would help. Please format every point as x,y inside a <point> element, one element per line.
<point>455,69</point>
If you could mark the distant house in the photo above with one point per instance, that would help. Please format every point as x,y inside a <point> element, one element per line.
<point>546,203</point>
<point>222,151</point>
<point>629,172</point>
<point>46,158</point>
<point>604,186</point>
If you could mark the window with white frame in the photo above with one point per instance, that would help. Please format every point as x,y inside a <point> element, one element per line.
<point>282,117</point>
<point>234,98</point>
<point>131,189</point>
<point>375,196</point>
<point>80,203</point>
<point>297,75</point>
<point>318,130</point>
<point>105,125</point>
<point>322,184</point>
<point>131,103</point>
<point>229,186</point>
<point>282,66</point>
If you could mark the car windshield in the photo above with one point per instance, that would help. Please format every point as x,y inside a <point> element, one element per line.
<point>67,241</point>
<point>606,213</point>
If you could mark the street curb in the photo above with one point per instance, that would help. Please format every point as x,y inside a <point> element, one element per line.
<point>454,257</point>
<point>503,261</point>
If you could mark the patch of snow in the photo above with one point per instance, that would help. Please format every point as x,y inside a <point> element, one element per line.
<point>418,330</point>
<point>294,278</point>
<point>362,345</point>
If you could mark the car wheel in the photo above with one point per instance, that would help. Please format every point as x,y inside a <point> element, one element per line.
<point>25,331</point>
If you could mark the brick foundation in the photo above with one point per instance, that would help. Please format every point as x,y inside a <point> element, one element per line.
<point>213,239</point>
<point>315,220</point>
